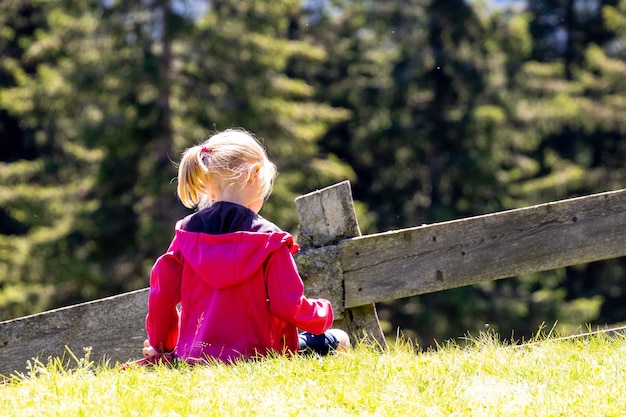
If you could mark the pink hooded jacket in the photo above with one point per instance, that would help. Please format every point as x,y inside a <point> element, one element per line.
<point>230,296</point>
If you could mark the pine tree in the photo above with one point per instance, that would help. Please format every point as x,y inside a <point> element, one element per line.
<point>112,92</point>
<point>97,104</point>
<point>46,179</point>
<point>235,72</point>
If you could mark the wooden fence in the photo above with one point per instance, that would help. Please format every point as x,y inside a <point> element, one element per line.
<point>355,271</point>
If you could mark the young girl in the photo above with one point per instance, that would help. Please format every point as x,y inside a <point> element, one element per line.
<point>228,287</point>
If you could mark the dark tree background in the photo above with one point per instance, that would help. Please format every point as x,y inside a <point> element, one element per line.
<point>433,109</point>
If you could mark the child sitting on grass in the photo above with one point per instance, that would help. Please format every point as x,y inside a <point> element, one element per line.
<point>228,287</point>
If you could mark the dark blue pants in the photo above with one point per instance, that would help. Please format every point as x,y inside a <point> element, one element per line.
<point>322,344</point>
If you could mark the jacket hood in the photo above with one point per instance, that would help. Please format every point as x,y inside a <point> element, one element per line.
<point>224,260</point>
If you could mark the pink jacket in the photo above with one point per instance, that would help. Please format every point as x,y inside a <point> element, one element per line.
<point>238,294</point>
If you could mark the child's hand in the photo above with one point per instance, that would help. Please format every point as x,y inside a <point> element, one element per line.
<point>148,351</point>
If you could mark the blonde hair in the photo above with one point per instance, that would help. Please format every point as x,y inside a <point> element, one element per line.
<point>226,159</point>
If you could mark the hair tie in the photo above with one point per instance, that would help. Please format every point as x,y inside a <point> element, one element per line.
<point>205,149</point>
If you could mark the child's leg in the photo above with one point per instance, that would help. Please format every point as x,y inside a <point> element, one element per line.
<point>330,341</point>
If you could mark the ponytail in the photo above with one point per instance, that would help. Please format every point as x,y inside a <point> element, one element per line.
<point>192,177</point>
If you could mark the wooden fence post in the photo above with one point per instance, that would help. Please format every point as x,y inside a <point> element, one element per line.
<point>326,217</point>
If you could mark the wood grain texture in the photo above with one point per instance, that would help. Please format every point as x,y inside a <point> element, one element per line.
<point>446,255</point>
<point>112,327</point>
<point>326,216</point>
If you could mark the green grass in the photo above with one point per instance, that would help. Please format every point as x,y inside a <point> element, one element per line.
<point>487,377</point>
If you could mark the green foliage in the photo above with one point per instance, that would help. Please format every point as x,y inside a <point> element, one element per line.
<point>43,202</point>
<point>240,78</point>
<point>433,110</point>
<point>113,92</point>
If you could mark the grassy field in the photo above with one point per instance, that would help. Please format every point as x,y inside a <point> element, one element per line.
<point>485,377</point>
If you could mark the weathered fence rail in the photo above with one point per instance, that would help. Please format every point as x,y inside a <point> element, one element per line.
<point>355,271</point>
<point>112,327</point>
<point>463,252</point>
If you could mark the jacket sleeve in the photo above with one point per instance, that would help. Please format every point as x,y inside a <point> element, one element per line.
<point>164,296</point>
<point>285,291</point>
